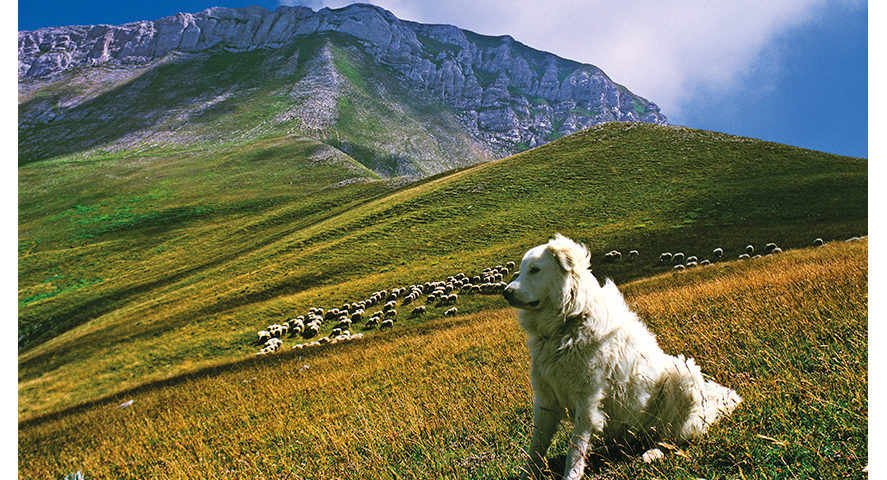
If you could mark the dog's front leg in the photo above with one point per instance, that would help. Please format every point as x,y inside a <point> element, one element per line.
<point>588,420</point>
<point>546,416</point>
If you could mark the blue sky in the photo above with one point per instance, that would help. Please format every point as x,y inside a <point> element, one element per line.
<point>793,71</point>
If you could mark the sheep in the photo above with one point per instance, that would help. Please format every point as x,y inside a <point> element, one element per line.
<point>612,256</point>
<point>692,258</point>
<point>756,256</point>
<point>678,267</point>
<point>744,256</point>
<point>371,323</point>
<point>704,263</point>
<point>418,312</point>
<point>357,315</point>
<point>632,255</point>
<point>692,264</point>
<point>274,343</point>
<point>775,251</point>
<point>818,242</point>
<point>264,335</point>
<point>344,324</point>
<point>665,257</point>
<point>386,324</point>
<point>509,264</point>
<point>769,247</point>
<point>390,314</point>
<point>310,330</point>
<point>718,252</point>
<point>335,332</point>
<point>451,312</point>
<point>452,299</point>
<point>677,258</point>
<point>749,249</point>
<point>389,306</point>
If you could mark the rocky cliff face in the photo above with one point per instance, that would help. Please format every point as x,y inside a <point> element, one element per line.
<point>508,95</point>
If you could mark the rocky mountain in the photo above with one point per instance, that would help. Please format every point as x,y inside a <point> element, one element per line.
<point>401,97</point>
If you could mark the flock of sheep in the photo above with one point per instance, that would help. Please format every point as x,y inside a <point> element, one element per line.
<point>681,261</point>
<point>444,293</point>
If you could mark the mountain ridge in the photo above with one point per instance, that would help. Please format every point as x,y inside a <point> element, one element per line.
<point>505,94</point>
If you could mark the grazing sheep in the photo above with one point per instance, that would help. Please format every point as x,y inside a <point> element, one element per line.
<point>335,332</point>
<point>692,264</point>
<point>510,264</point>
<point>665,257</point>
<point>311,331</point>
<point>274,343</point>
<point>704,263</point>
<point>718,252</point>
<point>357,315</point>
<point>769,247</point>
<point>418,311</point>
<point>390,314</point>
<point>344,324</point>
<point>451,312</point>
<point>692,258</point>
<point>677,258</point>
<point>386,324</point>
<point>749,249</point>
<point>632,255</point>
<point>452,298</point>
<point>389,306</point>
<point>818,242</point>
<point>264,335</point>
<point>775,251</point>
<point>744,256</point>
<point>612,256</point>
<point>371,323</point>
<point>678,267</point>
<point>756,256</point>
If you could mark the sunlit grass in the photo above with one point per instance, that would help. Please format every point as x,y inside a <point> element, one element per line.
<point>450,398</point>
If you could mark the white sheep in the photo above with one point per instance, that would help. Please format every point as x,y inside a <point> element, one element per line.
<point>818,242</point>
<point>665,257</point>
<point>264,335</point>
<point>451,312</point>
<point>718,252</point>
<point>418,311</point>
<point>386,324</point>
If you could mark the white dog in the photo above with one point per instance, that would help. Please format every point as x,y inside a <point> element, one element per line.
<point>592,356</point>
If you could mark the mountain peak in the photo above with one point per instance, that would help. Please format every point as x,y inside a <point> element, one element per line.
<point>507,95</point>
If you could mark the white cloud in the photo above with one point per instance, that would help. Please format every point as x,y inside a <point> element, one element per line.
<point>666,51</point>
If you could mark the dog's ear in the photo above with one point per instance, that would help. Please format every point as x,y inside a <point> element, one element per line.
<point>563,250</point>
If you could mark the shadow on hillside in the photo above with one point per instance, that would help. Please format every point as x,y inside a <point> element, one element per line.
<point>253,363</point>
<point>599,464</point>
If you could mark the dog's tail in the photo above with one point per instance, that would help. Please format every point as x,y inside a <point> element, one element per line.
<point>710,400</point>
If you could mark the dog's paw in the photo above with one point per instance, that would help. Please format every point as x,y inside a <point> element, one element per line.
<point>653,455</point>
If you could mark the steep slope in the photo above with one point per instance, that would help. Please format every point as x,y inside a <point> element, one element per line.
<point>196,288</point>
<point>321,86</point>
<point>435,96</point>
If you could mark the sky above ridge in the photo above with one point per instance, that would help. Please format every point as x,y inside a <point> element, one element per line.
<point>792,71</point>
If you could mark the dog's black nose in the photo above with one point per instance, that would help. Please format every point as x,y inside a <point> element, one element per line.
<point>508,293</point>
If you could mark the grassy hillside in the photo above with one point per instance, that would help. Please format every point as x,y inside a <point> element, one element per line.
<point>125,279</point>
<point>450,398</point>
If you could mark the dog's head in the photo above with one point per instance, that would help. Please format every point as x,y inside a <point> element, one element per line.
<point>551,278</point>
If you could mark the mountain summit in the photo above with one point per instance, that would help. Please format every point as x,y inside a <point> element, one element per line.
<point>403,98</point>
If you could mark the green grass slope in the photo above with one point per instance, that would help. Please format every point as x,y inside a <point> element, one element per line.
<point>451,399</point>
<point>145,297</point>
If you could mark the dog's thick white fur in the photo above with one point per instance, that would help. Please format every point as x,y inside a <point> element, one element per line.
<point>590,355</point>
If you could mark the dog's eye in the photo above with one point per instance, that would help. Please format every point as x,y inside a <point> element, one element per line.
<point>533,269</point>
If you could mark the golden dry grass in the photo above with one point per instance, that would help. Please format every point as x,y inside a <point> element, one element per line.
<point>451,399</point>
